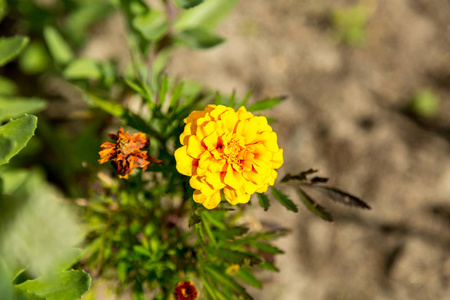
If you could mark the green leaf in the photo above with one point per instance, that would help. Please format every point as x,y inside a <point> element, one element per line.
<point>263,201</point>
<point>152,25</point>
<point>163,90</point>
<point>194,219</point>
<point>227,281</point>
<point>10,47</point>
<point>313,206</point>
<point>17,107</point>
<point>248,278</point>
<point>7,87</point>
<point>284,200</point>
<point>188,3</point>
<point>265,104</point>
<point>14,136</point>
<point>234,256</point>
<point>83,68</point>
<point>207,15</point>
<point>110,107</point>
<point>266,248</point>
<point>35,59</point>
<point>2,9</point>
<point>198,38</point>
<point>268,266</point>
<point>337,195</point>
<point>58,47</point>
<point>67,285</point>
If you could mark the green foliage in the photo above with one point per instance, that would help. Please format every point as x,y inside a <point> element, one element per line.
<point>35,59</point>
<point>188,3</point>
<point>349,24</point>
<point>14,136</point>
<point>424,103</point>
<point>198,38</point>
<point>11,47</point>
<point>13,107</point>
<point>66,285</point>
<point>284,200</point>
<point>59,49</point>
<point>265,104</point>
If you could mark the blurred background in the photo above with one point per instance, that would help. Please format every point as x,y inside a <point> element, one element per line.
<point>367,86</point>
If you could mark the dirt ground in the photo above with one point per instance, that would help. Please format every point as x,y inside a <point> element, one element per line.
<point>345,116</point>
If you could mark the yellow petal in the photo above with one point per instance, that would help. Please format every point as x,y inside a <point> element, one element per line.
<point>215,179</point>
<point>277,159</point>
<point>194,147</point>
<point>212,201</point>
<point>233,178</point>
<point>211,141</point>
<point>185,164</point>
<point>229,120</point>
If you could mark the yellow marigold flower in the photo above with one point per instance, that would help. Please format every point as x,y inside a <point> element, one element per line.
<point>185,291</point>
<point>233,151</point>
<point>126,154</point>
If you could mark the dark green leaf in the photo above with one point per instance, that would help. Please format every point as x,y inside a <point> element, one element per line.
<point>268,266</point>
<point>302,176</point>
<point>224,279</point>
<point>263,201</point>
<point>17,107</point>
<point>58,47</point>
<point>194,219</point>
<point>266,248</point>
<point>14,136</point>
<point>284,200</point>
<point>248,278</point>
<point>163,90</point>
<point>67,285</point>
<point>188,3</point>
<point>313,206</point>
<point>235,257</point>
<point>83,68</point>
<point>341,196</point>
<point>198,38</point>
<point>265,104</point>
<point>10,47</point>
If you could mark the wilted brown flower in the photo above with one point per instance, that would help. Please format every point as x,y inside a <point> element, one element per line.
<point>185,290</point>
<point>126,153</point>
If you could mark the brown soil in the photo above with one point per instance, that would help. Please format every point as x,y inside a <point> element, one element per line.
<point>345,116</point>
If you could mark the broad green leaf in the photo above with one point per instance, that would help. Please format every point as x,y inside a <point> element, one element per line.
<point>10,47</point>
<point>248,278</point>
<point>265,104</point>
<point>152,25</point>
<point>18,132</point>
<point>263,201</point>
<point>83,68</point>
<point>313,206</point>
<point>224,279</point>
<point>67,285</point>
<point>284,200</point>
<point>7,87</point>
<point>188,3</point>
<point>207,15</point>
<point>58,47</point>
<point>198,38</point>
<point>17,107</point>
<point>35,59</point>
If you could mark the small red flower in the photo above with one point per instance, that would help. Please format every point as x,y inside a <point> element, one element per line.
<point>126,153</point>
<point>185,290</point>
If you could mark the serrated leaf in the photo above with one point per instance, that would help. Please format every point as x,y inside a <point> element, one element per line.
<point>17,107</point>
<point>341,196</point>
<point>58,47</point>
<point>185,4</point>
<point>152,25</point>
<point>207,15</point>
<point>284,200</point>
<point>14,136</point>
<point>313,206</point>
<point>198,38</point>
<point>302,176</point>
<point>226,280</point>
<point>263,201</point>
<point>194,219</point>
<point>265,104</point>
<point>67,285</point>
<point>10,47</point>
<point>248,278</point>
<point>83,68</point>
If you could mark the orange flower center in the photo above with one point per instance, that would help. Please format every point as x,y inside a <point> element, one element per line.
<point>234,152</point>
